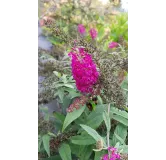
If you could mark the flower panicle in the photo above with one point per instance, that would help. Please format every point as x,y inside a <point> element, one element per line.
<point>78,102</point>
<point>81,29</point>
<point>113,45</point>
<point>114,154</point>
<point>84,70</point>
<point>93,33</point>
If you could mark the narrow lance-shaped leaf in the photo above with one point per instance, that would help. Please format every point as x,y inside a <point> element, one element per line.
<point>116,111</point>
<point>39,143</point>
<point>120,134</point>
<point>86,153</point>
<point>59,116</point>
<point>123,149</point>
<point>72,116</point>
<point>46,143</point>
<point>94,119</point>
<point>119,138</point>
<point>93,133</point>
<point>100,100</point>
<point>83,140</point>
<point>65,152</point>
<point>57,157</point>
<point>51,134</point>
<point>107,120</point>
<point>120,119</point>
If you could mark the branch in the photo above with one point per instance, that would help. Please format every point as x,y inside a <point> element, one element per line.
<point>108,134</point>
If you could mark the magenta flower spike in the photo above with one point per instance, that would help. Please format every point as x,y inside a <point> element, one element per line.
<point>113,44</point>
<point>93,33</point>
<point>81,29</point>
<point>84,70</point>
<point>114,154</point>
<point>113,149</point>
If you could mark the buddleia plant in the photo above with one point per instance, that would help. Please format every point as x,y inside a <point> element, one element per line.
<point>109,65</point>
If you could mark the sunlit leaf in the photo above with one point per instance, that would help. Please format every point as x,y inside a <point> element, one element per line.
<point>121,113</point>
<point>91,132</point>
<point>82,140</point>
<point>70,117</point>
<point>120,119</point>
<point>57,74</point>
<point>107,120</point>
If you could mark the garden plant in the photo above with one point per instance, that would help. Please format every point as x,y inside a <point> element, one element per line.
<point>86,72</point>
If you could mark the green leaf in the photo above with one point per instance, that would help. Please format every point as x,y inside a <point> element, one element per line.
<point>39,143</point>
<point>82,140</point>
<point>72,116</point>
<point>58,124</point>
<point>46,143</point>
<point>116,111</point>
<point>60,93</point>
<point>66,102</point>
<point>82,152</point>
<point>69,90</point>
<point>86,153</point>
<point>54,40</point>
<point>93,105</point>
<point>100,100</point>
<point>113,35</point>
<point>68,85</point>
<point>57,74</point>
<point>107,120</point>
<point>119,138</point>
<point>91,132</point>
<point>51,134</point>
<point>65,152</point>
<point>64,78</point>
<point>52,158</point>
<point>59,85</point>
<point>74,94</point>
<point>95,118</point>
<point>120,134</point>
<point>123,149</point>
<point>59,116</point>
<point>120,119</point>
<point>75,148</point>
<point>98,155</point>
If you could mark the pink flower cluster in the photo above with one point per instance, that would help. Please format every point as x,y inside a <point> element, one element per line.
<point>93,33</point>
<point>114,154</point>
<point>81,29</point>
<point>84,70</point>
<point>113,44</point>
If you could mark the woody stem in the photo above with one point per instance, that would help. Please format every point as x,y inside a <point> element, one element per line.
<point>108,133</point>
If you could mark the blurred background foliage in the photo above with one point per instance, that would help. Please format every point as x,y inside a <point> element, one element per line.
<point>111,24</point>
